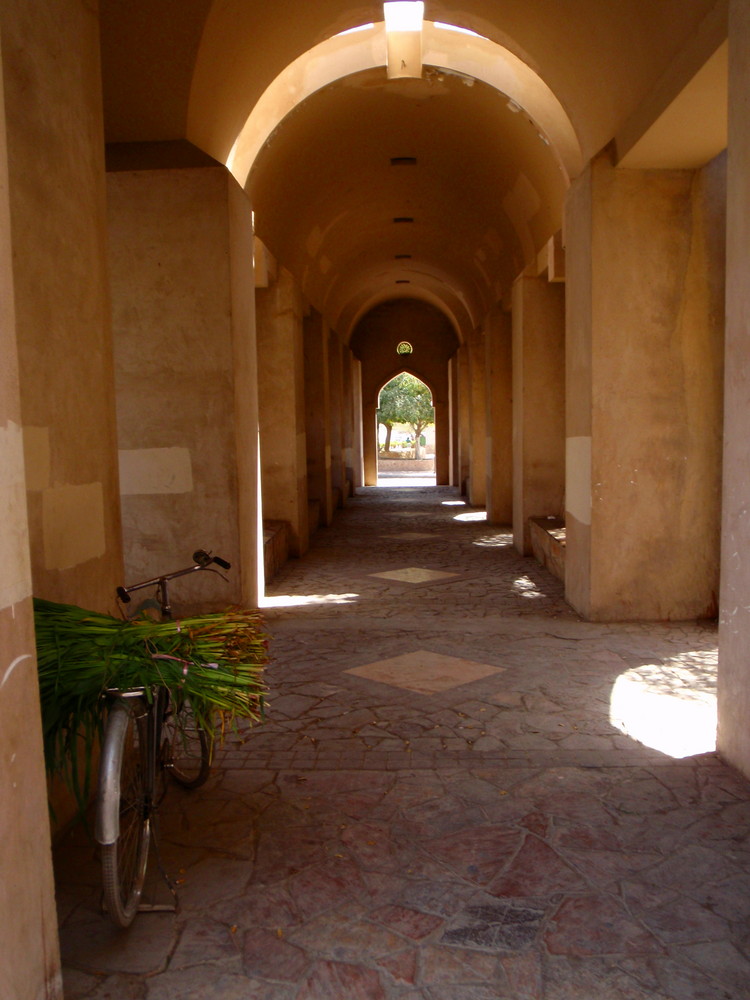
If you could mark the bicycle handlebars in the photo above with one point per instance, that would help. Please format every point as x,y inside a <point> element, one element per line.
<point>201,560</point>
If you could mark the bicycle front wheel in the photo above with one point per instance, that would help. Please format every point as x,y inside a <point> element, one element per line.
<point>185,751</point>
<point>124,809</point>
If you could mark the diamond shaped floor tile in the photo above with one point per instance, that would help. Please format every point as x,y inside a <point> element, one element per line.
<point>425,672</point>
<point>414,574</point>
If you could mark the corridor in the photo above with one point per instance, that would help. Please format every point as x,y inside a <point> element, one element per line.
<point>443,804</point>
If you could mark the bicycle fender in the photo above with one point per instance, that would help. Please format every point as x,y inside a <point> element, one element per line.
<point>108,797</point>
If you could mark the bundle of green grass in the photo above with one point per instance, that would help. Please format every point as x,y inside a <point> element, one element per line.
<point>215,660</point>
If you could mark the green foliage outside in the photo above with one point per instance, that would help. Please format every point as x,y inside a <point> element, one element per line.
<point>406,400</point>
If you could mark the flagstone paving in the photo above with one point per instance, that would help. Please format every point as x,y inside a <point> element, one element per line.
<point>388,834</point>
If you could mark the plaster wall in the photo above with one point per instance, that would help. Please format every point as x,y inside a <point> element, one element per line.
<point>734,622</point>
<point>318,414</point>
<point>281,394</point>
<point>57,205</point>
<point>498,345</point>
<point>538,404</point>
<point>644,388</point>
<point>173,304</point>
<point>29,953</point>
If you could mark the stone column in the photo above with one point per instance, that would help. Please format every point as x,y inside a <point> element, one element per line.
<point>357,458</point>
<point>370,441</point>
<point>245,363</point>
<point>643,371</point>
<point>318,414</point>
<point>477,422</point>
<point>734,623</point>
<point>455,477</point>
<point>347,427</point>
<point>58,221</point>
<point>181,248</point>
<point>538,404</point>
<point>442,441</point>
<point>283,447</point>
<point>338,477</point>
<point>464,417</point>
<point>499,417</point>
<point>29,953</point>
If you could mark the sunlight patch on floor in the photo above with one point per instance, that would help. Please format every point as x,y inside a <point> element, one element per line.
<point>671,706</point>
<point>300,600</point>
<point>524,586</point>
<point>472,515</point>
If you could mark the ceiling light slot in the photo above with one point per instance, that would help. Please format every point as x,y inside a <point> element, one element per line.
<point>402,256</point>
<point>403,161</point>
<point>403,218</point>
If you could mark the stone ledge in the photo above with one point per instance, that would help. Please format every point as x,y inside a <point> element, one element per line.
<point>548,543</point>
<point>275,547</point>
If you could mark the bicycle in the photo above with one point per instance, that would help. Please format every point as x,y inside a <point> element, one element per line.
<point>146,736</point>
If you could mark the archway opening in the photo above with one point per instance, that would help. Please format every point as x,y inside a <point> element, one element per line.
<point>405,428</point>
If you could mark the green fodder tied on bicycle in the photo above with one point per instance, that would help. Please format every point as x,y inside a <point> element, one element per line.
<point>214,660</point>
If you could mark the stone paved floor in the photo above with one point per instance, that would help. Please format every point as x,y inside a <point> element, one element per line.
<point>499,838</point>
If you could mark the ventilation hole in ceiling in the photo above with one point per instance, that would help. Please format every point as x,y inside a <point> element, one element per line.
<point>402,256</point>
<point>404,218</point>
<point>403,281</point>
<point>403,161</point>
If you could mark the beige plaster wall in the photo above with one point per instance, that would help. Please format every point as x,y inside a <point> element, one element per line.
<point>29,953</point>
<point>734,622</point>
<point>281,393</point>
<point>644,389</point>
<point>538,404</point>
<point>57,203</point>
<point>498,345</point>
<point>173,304</point>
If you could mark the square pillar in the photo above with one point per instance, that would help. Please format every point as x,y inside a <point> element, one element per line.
<point>463,397</point>
<point>29,951</point>
<point>538,404</point>
<point>183,308</point>
<point>336,381</point>
<point>281,396</point>
<point>644,384</point>
<point>477,491</point>
<point>499,417</point>
<point>734,621</point>
<point>318,414</point>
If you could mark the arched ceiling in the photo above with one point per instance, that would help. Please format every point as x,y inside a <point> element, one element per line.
<point>487,188</point>
<point>481,188</point>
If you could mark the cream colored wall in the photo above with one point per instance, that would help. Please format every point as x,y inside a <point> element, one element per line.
<point>645,273</point>
<point>734,622</point>
<point>57,205</point>
<point>174,304</point>
<point>538,404</point>
<point>281,391</point>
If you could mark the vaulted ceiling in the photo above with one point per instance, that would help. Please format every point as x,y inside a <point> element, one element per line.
<point>477,165</point>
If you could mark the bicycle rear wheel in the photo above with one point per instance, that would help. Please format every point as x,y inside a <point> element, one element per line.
<point>185,753</point>
<point>124,809</point>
